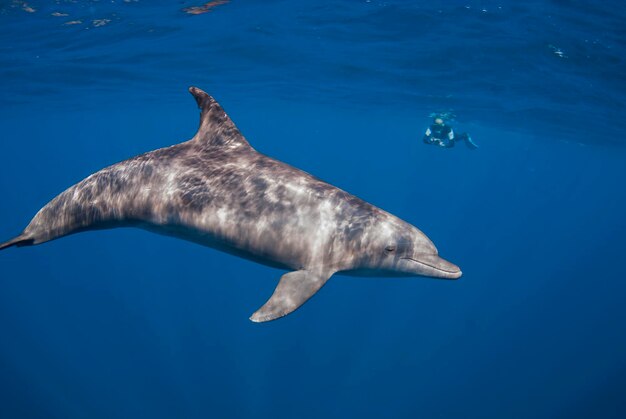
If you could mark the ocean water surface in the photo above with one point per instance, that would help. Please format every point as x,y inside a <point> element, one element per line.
<point>126,323</point>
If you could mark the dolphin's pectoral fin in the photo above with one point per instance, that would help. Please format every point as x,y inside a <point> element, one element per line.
<point>293,290</point>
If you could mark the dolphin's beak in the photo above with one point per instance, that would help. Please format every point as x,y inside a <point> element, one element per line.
<point>433,265</point>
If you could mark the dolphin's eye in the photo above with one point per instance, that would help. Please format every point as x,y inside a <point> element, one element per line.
<point>390,249</point>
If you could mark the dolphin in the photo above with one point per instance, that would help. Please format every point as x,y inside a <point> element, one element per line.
<point>218,191</point>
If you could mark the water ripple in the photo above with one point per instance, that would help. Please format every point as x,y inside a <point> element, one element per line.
<point>533,66</point>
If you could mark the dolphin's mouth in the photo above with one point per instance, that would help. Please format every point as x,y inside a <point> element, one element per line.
<point>441,267</point>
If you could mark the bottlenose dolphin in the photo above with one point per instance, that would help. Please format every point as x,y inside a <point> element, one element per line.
<point>218,191</point>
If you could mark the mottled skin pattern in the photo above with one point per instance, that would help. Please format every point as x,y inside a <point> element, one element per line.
<point>216,190</point>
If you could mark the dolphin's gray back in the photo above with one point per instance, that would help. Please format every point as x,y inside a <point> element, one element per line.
<point>235,199</point>
<point>245,201</point>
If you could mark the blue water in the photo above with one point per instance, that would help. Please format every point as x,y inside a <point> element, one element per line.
<point>124,323</point>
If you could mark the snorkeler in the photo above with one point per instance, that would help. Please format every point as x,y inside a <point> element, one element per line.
<point>441,134</point>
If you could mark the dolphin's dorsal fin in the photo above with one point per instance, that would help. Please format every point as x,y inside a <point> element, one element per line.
<point>293,290</point>
<point>216,127</point>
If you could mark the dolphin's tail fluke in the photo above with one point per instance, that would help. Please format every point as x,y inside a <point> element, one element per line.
<point>21,240</point>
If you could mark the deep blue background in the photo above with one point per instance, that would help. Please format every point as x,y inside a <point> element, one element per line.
<point>124,323</point>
